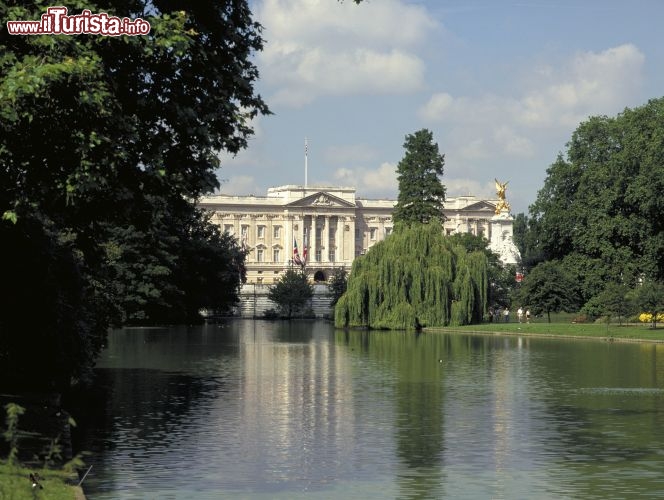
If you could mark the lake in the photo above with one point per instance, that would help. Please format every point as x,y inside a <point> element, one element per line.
<point>259,409</point>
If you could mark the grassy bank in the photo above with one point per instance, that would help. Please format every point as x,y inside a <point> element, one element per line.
<point>563,327</point>
<point>15,484</point>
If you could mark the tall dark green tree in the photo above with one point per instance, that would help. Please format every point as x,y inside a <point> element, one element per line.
<point>292,292</point>
<point>105,144</point>
<point>547,288</point>
<point>525,239</point>
<point>600,212</point>
<point>421,192</point>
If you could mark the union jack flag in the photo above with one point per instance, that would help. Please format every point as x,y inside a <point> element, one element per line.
<point>296,254</point>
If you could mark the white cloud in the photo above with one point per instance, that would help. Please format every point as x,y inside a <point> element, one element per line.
<point>437,108</point>
<point>241,185</point>
<point>558,99</point>
<point>464,187</point>
<point>381,181</point>
<point>355,153</point>
<point>323,47</point>
<point>593,83</point>
<point>512,143</point>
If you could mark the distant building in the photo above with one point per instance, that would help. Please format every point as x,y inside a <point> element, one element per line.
<point>331,223</point>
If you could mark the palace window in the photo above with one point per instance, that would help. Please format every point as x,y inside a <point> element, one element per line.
<point>261,231</point>
<point>277,232</point>
<point>319,255</point>
<point>332,255</point>
<point>275,255</point>
<point>259,255</point>
<point>372,232</point>
<point>228,228</point>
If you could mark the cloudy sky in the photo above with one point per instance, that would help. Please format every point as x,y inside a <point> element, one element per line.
<point>502,84</point>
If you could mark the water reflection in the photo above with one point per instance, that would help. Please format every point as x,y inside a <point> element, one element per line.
<point>256,409</point>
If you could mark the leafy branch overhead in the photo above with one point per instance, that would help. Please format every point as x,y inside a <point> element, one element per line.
<point>106,142</point>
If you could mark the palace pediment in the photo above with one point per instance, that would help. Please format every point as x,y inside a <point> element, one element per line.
<point>321,199</point>
<point>480,206</point>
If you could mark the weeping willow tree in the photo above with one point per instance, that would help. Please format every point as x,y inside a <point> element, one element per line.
<point>417,277</point>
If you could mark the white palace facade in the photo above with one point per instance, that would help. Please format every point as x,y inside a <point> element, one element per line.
<point>332,223</point>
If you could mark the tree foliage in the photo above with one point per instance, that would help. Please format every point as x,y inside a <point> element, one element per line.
<point>105,144</point>
<point>525,239</point>
<point>501,277</point>
<point>547,288</point>
<point>421,193</point>
<point>416,277</point>
<point>292,292</point>
<point>337,285</point>
<point>648,297</point>
<point>612,301</point>
<point>601,210</point>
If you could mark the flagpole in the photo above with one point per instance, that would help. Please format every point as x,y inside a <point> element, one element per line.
<point>306,159</point>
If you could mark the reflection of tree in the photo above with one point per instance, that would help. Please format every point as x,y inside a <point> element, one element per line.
<point>414,359</point>
<point>150,404</point>
<point>608,432</point>
<point>292,331</point>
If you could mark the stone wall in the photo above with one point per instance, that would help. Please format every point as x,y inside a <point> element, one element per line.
<point>254,301</point>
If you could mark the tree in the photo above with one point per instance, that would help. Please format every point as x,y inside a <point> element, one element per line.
<point>501,277</point>
<point>525,239</point>
<point>417,277</point>
<point>600,212</point>
<point>421,193</point>
<point>106,143</point>
<point>648,297</point>
<point>548,289</point>
<point>292,292</point>
<point>338,284</point>
<point>612,301</point>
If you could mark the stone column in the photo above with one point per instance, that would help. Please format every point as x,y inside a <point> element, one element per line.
<point>313,244</point>
<point>288,237</point>
<point>326,239</point>
<point>339,240</point>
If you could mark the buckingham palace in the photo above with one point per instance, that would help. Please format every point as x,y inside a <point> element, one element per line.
<point>327,227</point>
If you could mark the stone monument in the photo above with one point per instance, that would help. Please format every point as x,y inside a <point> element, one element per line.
<point>502,231</point>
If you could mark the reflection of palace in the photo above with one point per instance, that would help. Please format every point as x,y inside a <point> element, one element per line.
<point>330,224</point>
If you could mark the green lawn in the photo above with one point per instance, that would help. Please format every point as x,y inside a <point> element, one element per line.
<point>561,325</point>
<point>15,484</point>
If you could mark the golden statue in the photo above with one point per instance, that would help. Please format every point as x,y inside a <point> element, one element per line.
<point>502,203</point>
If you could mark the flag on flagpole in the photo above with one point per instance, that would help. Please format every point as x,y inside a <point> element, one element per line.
<point>296,255</point>
<point>304,253</point>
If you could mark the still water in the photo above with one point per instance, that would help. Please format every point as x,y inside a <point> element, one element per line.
<point>254,409</point>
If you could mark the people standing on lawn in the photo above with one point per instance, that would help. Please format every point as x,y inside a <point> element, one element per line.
<point>519,314</point>
<point>527,315</point>
<point>506,314</point>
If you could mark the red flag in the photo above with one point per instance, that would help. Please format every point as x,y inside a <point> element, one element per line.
<point>296,255</point>
<point>304,254</point>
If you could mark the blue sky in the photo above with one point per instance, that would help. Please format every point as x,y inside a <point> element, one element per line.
<point>501,84</point>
